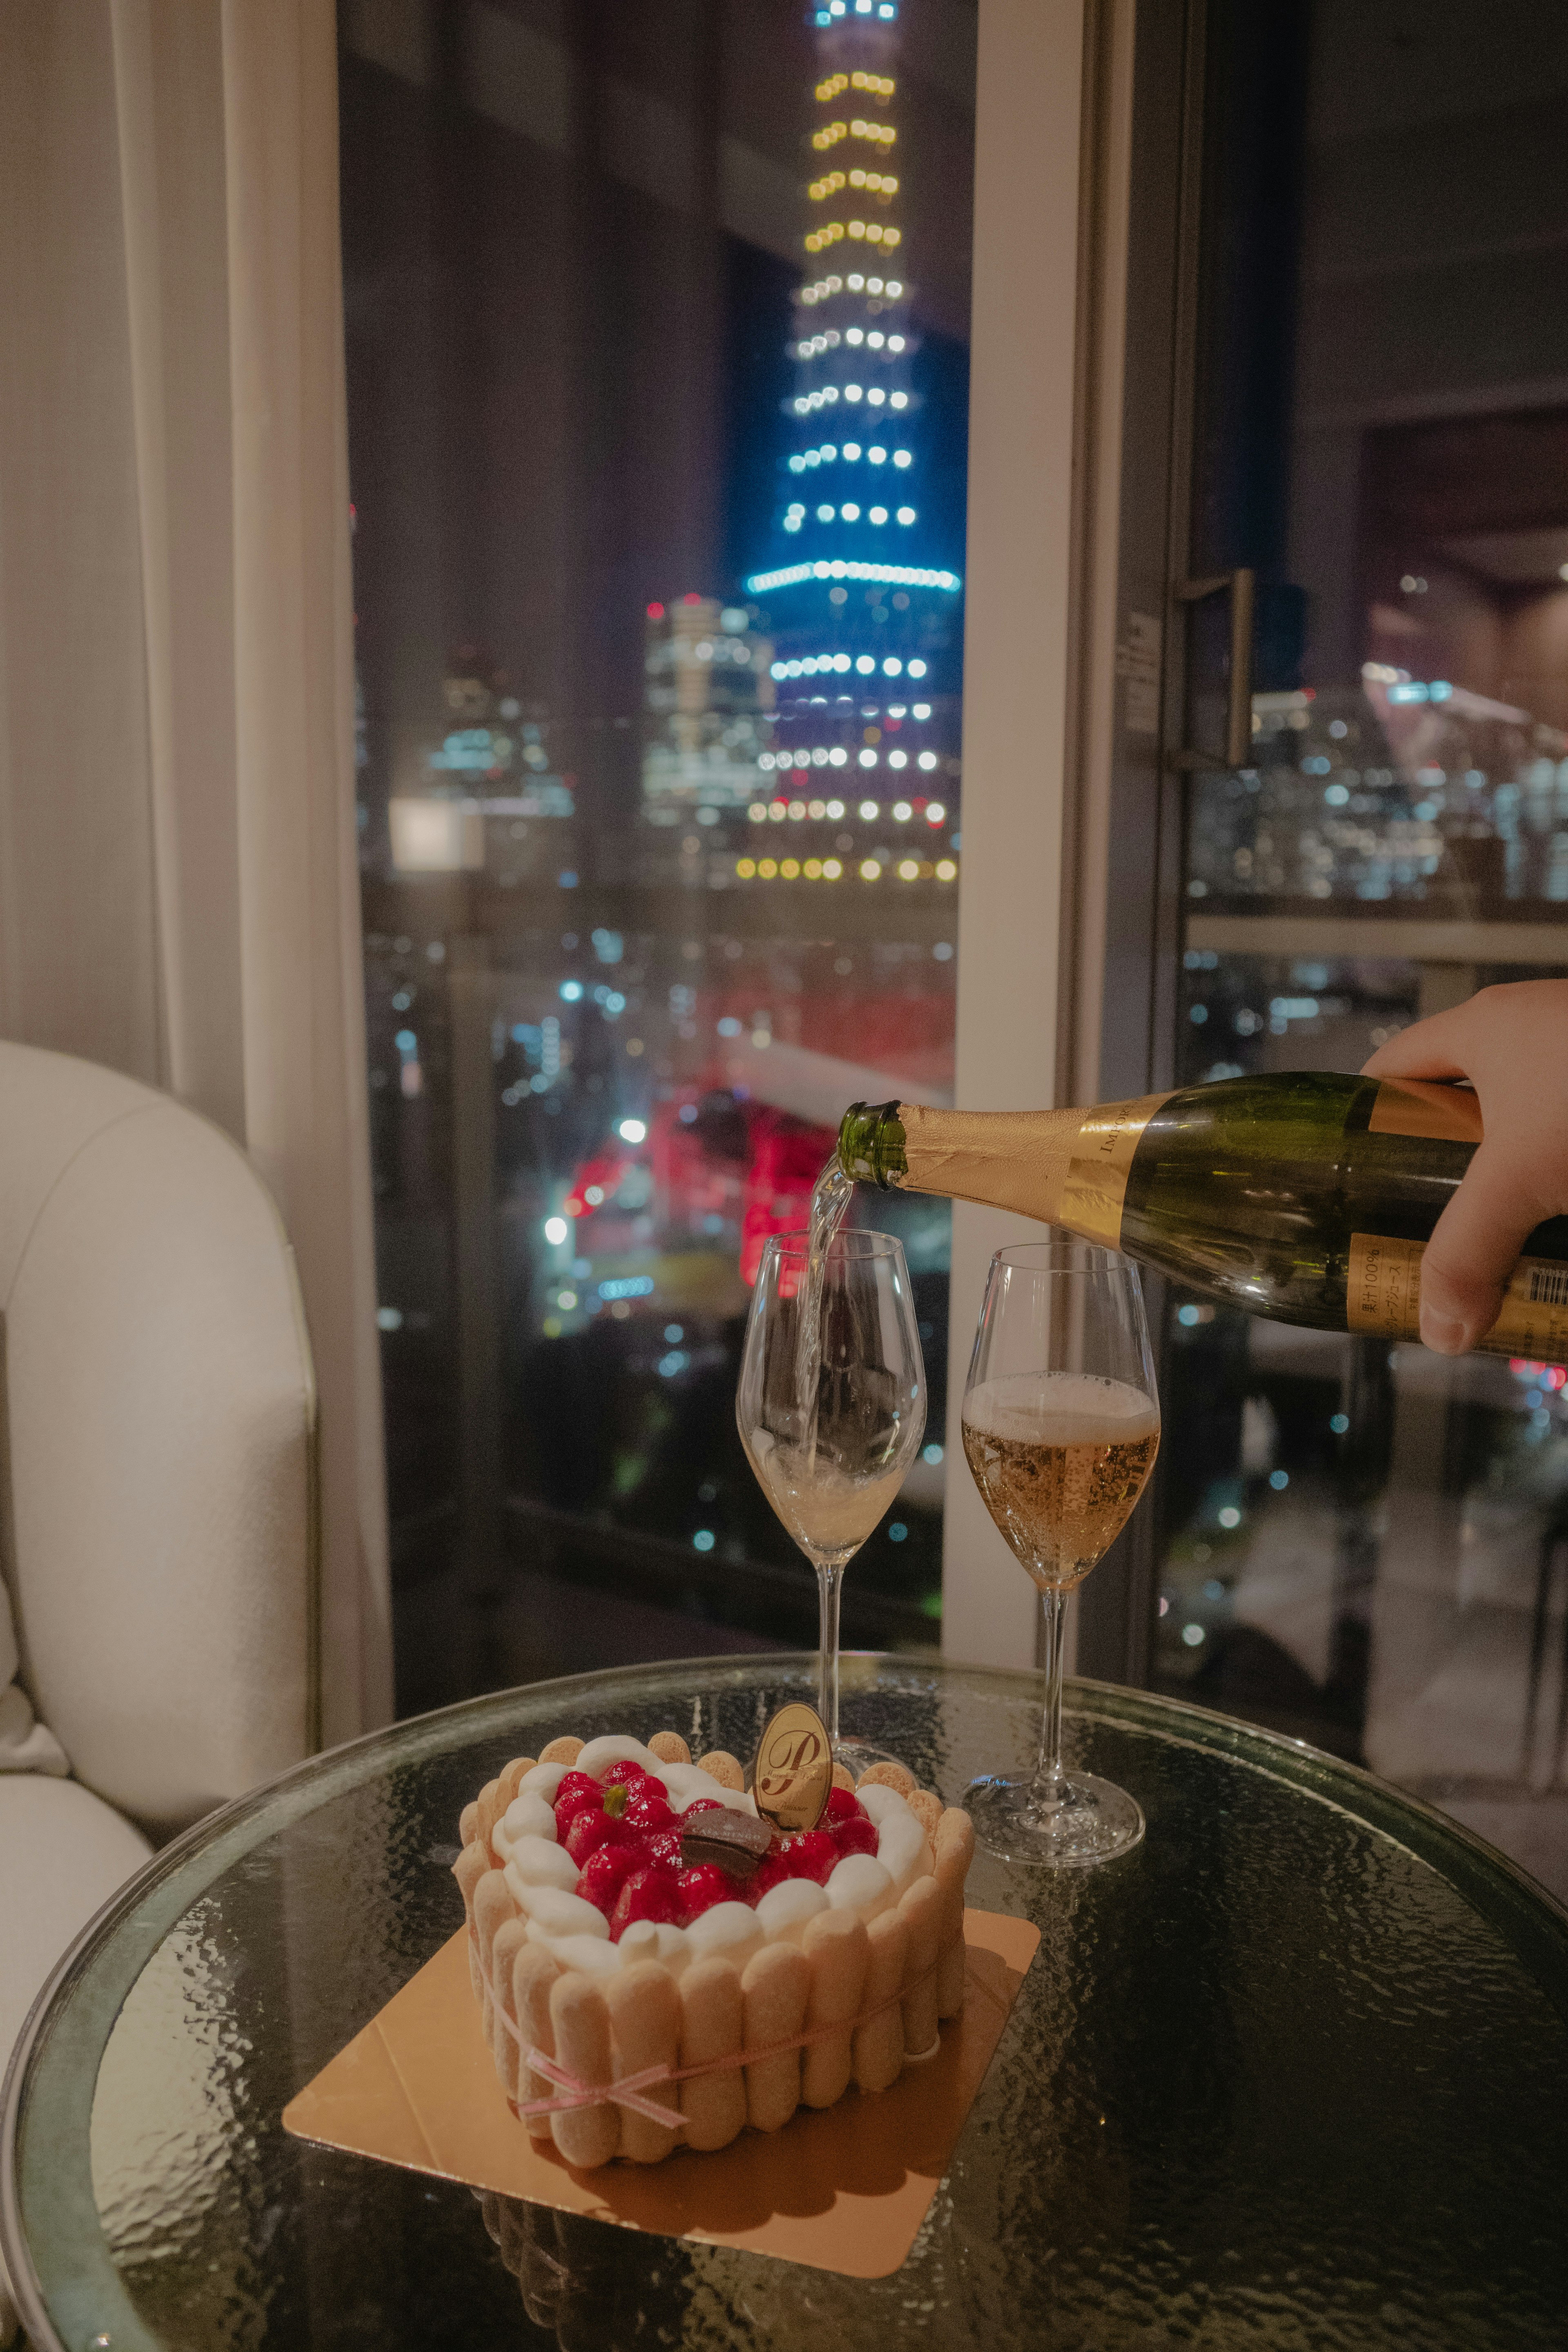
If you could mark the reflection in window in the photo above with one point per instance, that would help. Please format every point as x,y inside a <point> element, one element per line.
<point>1365,1546</point>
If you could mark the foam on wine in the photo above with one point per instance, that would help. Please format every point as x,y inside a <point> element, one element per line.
<point>1061,1409</point>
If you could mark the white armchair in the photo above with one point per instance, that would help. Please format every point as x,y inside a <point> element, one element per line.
<point>157,1419</point>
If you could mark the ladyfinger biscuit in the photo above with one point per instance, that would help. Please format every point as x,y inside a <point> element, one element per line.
<point>843,1778</point>
<point>493,1905</point>
<point>509,1939</point>
<point>711,2023</point>
<point>564,1750</point>
<point>491,1807</point>
<point>954,1846</point>
<point>645,2030</point>
<point>721,1766</point>
<point>952,1971</point>
<point>878,2052</point>
<point>467,1870</point>
<point>468,1822</point>
<point>493,1902</point>
<point>775,1991</point>
<point>836,1944</point>
<point>924,1912</point>
<point>534,1972</point>
<point>927,1810</point>
<point>669,1747</point>
<point>509,1779</point>
<point>897,1776</point>
<point>581,2019</point>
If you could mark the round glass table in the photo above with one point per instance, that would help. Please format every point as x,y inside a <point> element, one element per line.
<point>1293,2072</point>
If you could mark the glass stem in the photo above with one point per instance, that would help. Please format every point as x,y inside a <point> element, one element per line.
<point>1048,1773</point>
<point>829,1583</point>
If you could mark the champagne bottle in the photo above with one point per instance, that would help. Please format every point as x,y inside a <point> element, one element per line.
<point>1306,1197</point>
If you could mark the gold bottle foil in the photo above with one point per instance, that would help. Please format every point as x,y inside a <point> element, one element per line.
<point>1005,1160</point>
<point>1096,1186</point>
<point>1384,1296</point>
<point>1064,1167</point>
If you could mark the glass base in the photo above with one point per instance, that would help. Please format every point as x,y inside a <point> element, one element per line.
<point>857,1756</point>
<point>1086,1820</point>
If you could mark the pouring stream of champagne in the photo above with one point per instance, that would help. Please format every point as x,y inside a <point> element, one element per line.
<point>830,1202</point>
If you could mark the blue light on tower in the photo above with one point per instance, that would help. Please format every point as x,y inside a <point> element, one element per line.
<point>862,599</point>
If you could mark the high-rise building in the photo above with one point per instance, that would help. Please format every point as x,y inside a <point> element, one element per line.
<point>863,600</point>
<point>709,697</point>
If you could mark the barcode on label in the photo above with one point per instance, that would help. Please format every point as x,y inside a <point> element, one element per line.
<point>1548,1286</point>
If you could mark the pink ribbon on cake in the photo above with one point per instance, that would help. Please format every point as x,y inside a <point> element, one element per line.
<point>628,2092</point>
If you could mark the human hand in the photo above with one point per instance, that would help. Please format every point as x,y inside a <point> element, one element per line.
<point>1512,1042</point>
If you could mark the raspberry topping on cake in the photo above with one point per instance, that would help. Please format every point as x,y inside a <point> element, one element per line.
<point>638,1858</point>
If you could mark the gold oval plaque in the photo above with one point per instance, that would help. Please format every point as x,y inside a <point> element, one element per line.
<point>792,1771</point>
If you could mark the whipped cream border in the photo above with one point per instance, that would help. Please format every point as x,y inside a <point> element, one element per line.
<point>541,1877</point>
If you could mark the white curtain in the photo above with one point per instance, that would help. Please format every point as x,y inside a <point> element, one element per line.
<point>178,878</point>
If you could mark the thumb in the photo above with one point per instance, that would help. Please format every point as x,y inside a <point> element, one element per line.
<point>1474,1248</point>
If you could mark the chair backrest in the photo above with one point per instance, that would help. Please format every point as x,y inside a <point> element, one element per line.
<point>160,1425</point>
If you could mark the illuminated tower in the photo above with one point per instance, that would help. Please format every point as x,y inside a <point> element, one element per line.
<point>862,602</point>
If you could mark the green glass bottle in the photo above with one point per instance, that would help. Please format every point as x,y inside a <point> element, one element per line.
<point>1304,1196</point>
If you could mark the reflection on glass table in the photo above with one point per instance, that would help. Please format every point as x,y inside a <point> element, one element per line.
<point>1304,2054</point>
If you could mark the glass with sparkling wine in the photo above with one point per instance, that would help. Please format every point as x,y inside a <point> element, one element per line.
<point>831,1409</point>
<point>1061,1425</point>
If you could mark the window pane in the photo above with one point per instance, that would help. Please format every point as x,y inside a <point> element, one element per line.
<point>656,321</point>
<point>1368,1545</point>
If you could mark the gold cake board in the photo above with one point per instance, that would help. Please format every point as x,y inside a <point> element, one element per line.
<point>843,2188</point>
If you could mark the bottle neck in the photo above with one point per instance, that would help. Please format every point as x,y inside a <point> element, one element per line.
<point>871,1144</point>
<point>1007,1159</point>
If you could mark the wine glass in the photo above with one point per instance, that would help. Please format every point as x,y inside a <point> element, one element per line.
<point>1061,1425</point>
<point>831,1409</point>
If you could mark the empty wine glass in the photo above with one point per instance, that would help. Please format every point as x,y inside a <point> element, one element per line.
<point>831,1409</point>
<point>1061,1425</point>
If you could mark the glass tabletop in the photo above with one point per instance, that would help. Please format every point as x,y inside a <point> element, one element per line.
<point>1293,2072</point>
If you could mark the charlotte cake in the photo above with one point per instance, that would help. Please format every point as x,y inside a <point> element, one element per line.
<point>598,1941</point>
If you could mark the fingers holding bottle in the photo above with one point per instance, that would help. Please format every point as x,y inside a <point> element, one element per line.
<point>1511,1044</point>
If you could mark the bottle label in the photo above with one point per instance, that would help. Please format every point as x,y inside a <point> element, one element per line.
<point>1103,1160</point>
<point>1438,1114</point>
<point>1384,1296</point>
